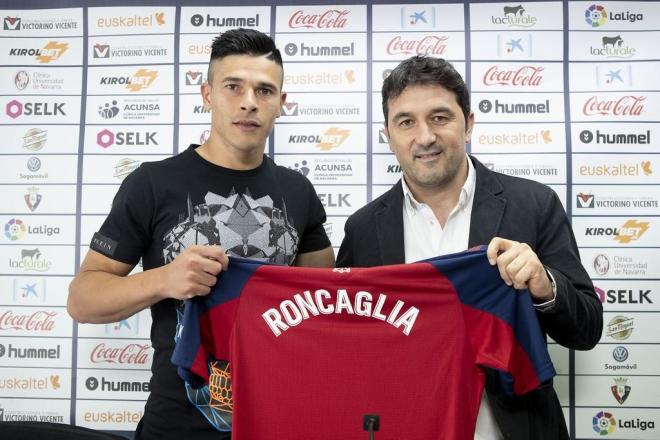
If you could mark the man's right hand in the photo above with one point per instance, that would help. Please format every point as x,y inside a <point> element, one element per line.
<point>193,272</point>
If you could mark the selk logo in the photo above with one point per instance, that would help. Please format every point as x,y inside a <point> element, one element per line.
<point>330,200</point>
<point>514,16</point>
<point>624,296</point>
<point>585,200</point>
<point>194,78</point>
<point>101,50</point>
<point>12,24</point>
<point>330,19</point>
<point>15,108</point>
<point>106,138</point>
<point>620,389</point>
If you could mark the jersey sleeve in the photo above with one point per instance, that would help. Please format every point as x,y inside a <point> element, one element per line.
<point>501,323</point>
<point>126,233</point>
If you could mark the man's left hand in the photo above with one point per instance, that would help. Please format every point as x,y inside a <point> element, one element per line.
<point>520,267</point>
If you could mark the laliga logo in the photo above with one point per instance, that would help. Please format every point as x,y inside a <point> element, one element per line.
<point>595,16</point>
<point>331,19</point>
<point>524,76</point>
<point>604,423</point>
<point>14,229</point>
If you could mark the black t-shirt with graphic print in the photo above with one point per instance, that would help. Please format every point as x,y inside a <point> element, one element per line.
<point>270,213</point>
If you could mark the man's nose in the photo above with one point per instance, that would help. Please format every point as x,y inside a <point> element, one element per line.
<point>425,135</point>
<point>249,101</point>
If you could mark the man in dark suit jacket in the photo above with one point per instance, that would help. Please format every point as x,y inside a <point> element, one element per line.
<point>428,122</point>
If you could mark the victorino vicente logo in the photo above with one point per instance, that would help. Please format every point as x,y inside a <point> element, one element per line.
<point>526,75</point>
<point>427,45</point>
<point>627,105</point>
<point>330,19</point>
<point>130,354</point>
<point>36,321</point>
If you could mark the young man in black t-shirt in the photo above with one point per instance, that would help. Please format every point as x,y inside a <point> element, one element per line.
<point>181,215</point>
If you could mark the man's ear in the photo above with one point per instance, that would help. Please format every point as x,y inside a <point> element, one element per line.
<point>205,91</point>
<point>469,125</point>
<point>282,102</point>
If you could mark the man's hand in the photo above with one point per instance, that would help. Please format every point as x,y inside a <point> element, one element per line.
<point>520,267</point>
<point>193,272</point>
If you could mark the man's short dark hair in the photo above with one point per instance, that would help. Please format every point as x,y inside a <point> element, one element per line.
<point>425,71</point>
<point>243,42</point>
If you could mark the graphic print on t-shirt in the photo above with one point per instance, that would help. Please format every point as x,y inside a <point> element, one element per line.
<point>244,227</point>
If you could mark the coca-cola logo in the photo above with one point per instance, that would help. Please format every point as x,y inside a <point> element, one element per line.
<point>38,321</point>
<point>628,105</point>
<point>133,354</point>
<point>524,76</point>
<point>330,19</point>
<point>429,45</point>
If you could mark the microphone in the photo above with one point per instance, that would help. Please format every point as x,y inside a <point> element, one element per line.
<point>371,423</point>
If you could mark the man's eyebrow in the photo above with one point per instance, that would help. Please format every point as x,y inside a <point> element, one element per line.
<point>441,109</point>
<point>237,79</point>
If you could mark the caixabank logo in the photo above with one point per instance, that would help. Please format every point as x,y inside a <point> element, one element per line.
<point>514,16</point>
<point>605,423</point>
<point>597,16</point>
<point>50,52</point>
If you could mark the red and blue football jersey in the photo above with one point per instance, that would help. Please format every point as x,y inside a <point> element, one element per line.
<point>304,353</point>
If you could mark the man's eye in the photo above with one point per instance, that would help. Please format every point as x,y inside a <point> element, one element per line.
<point>266,92</point>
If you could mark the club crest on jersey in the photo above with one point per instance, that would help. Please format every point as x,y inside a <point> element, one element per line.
<point>302,306</point>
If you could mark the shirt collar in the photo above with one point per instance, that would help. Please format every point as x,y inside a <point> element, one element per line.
<point>466,191</point>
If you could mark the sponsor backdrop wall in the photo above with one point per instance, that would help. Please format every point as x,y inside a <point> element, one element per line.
<point>565,93</point>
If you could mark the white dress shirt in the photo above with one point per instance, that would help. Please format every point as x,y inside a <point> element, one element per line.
<point>423,237</point>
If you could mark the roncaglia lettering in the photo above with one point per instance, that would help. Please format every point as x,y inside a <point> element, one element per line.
<point>308,304</point>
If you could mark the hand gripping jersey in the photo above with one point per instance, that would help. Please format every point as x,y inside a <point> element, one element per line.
<point>311,351</point>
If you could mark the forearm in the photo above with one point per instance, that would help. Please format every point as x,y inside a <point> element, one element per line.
<point>101,297</point>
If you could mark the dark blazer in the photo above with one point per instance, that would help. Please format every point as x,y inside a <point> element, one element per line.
<point>516,209</point>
